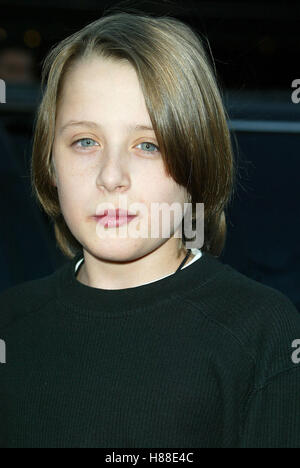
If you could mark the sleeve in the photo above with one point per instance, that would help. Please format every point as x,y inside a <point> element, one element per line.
<point>272,416</point>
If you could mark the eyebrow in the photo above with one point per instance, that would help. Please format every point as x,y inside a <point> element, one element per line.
<point>88,123</point>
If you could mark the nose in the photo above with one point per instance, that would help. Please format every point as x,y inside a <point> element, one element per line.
<point>113,175</point>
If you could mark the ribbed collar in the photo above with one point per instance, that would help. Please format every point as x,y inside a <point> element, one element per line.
<point>120,302</point>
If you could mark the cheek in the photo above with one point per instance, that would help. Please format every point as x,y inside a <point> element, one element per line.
<point>157,196</point>
<point>167,191</point>
<point>157,187</point>
<point>72,193</point>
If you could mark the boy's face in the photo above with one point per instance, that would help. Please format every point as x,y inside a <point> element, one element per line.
<point>112,164</point>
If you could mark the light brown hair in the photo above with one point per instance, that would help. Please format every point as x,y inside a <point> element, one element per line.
<point>183,100</point>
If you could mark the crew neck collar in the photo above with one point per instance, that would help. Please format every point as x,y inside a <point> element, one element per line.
<point>120,302</point>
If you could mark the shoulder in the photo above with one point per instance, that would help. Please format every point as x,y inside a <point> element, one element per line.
<point>260,318</point>
<point>22,299</point>
<point>242,298</point>
<point>254,301</point>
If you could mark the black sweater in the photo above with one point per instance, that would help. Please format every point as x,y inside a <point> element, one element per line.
<point>204,358</point>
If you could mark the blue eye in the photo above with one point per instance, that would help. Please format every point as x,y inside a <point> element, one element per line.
<point>86,139</point>
<point>149,144</point>
<point>90,145</point>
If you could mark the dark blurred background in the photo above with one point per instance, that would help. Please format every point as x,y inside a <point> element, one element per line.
<point>256,51</point>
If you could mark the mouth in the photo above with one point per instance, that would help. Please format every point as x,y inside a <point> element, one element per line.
<point>115,213</point>
<point>114,218</point>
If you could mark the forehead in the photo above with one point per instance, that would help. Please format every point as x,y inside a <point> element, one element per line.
<point>98,88</point>
<point>101,76</point>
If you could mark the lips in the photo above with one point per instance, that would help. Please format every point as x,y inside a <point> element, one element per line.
<point>118,213</point>
<point>114,218</point>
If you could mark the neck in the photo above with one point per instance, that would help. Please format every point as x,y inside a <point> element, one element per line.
<point>105,275</point>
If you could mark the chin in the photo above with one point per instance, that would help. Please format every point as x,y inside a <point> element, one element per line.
<point>117,251</point>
